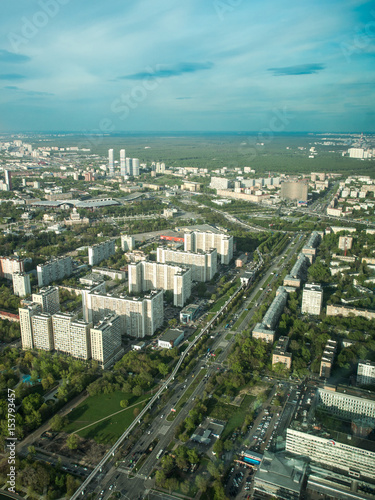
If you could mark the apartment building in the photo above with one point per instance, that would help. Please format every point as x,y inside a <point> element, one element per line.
<point>280,354</point>
<point>105,340</point>
<point>54,270</point>
<point>298,272</point>
<point>11,265</point>
<point>140,316</point>
<point>345,242</point>
<point>144,276</point>
<point>203,264</point>
<point>310,248</point>
<point>327,359</point>
<point>71,336</point>
<point>204,241</point>
<point>366,373</point>
<point>21,284</point>
<point>101,251</point>
<point>127,243</point>
<point>48,298</point>
<point>42,331</point>
<point>312,299</point>
<point>26,312</point>
<point>266,329</point>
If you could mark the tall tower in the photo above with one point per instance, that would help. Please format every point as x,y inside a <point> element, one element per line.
<point>8,179</point>
<point>111,165</point>
<point>135,171</point>
<point>122,162</point>
<point>128,166</point>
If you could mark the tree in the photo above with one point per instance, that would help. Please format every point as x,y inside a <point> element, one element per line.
<point>136,412</point>
<point>160,477</point>
<point>163,369</point>
<point>124,403</point>
<point>72,442</point>
<point>201,483</point>
<point>218,447</point>
<point>193,456</point>
<point>167,464</point>
<point>57,422</point>
<point>137,390</point>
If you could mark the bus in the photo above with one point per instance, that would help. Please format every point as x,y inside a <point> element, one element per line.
<point>159,454</point>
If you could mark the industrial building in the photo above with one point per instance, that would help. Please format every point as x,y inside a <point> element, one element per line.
<point>170,339</point>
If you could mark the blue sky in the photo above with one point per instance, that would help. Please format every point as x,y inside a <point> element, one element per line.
<point>167,65</point>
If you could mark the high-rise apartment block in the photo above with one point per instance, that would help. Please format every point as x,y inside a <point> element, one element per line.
<point>111,165</point>
<point>54,270</point>
<point>26,312</point>
<point>8,180</point>
<point>127,243</point>
<point>205,241</point>
<point>9,266</point>
<point>312,299</point>
<point>42,331</point>
<point>101,251</point>
<point>48,298</point>
<point>105,338</point>
<point>366,373</point>
<point>122,162</point>
<point>140,316</point>
<point>132,167</point>
<point>144,276</point>
<point>71,336</point>
<point>203,264</point>
<point>21,284</point>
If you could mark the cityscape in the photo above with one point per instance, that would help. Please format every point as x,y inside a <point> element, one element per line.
<point>187,250</point>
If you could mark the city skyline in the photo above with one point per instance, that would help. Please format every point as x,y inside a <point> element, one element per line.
<point>222,66</point>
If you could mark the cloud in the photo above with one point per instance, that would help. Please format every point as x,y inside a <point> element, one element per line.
<point>11,76</point>
<point>11,57</point>
<point>165,71</point>
<point>27,92</point>
<point>299,69</point>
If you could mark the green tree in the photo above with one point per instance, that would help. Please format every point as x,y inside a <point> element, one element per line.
<point>124,403</point>
<point>218,447</point>
<point>57,422</point>
<point>72,441</point>
<point>201,483</point>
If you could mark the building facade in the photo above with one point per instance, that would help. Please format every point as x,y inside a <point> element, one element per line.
<point>11,265</point>
<point>54,270</point>
<point>144,276</point>
<point>101,251</point>
<point>26,312</point>
<point>205,241</point>
<point>48,298</point>
<point>203,264</point>
<point>312,299</point>
<point>366,373</point>
<point>21,284</point>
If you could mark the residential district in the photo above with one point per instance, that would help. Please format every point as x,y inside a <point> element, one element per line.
<point>174,332</point>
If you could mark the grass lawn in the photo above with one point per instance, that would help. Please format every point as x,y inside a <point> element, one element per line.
<point>97,407</point>
<point>233,415</point>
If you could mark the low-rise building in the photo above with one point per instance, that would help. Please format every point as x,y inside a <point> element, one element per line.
<point>327,359</point>
<point>171,339</point>
<point>280,354</point>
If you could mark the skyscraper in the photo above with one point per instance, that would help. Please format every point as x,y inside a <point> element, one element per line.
<point>111,165</point>
<point>122,162</point>
<point>8,179</point>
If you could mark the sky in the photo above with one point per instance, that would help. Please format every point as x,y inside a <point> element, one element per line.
<point>199,65</point>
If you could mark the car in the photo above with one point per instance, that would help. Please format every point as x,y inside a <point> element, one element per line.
<point>162,416</point>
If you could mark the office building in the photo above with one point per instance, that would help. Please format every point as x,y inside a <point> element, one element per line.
<point>101,251</point>
<point>205,241</point>
<point>11,265</point>
<point>42,331</point>
<point>366,373</point>
<point>111,165</point>
<point>279,476</point>
<point>54,270</point>
<point>345,242</point>
<point>327,359</point>
<point>189,313</point>
<point>122,162</point>
<point>21,284</point>
<point>203,264</point>
<point>105,340</point>
<point>330,453</point>
<point>280,354</point>
<point>48,298</point>
<point>127,243</point>
<point>312,299</point>
<point>140,316</point>
<point>294,191</point>
<point>26,312</point>
<point>144,276</point>
<point>346,405</point>
<point>170,339</point>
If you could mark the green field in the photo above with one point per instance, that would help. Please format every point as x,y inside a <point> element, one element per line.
<point>98,407</point>
<point>232,414</point>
